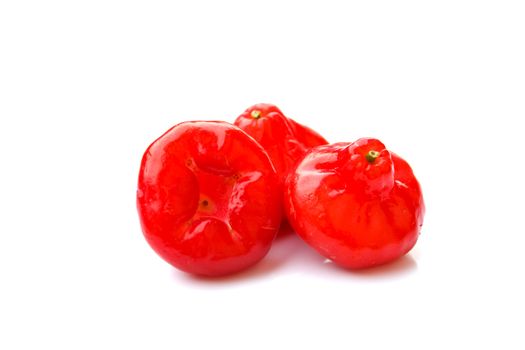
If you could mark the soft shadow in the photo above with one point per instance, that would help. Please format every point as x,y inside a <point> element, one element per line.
<point>290,253</point>
<point>308,261</point>
<point>400,267</point>
<point>282,250</point>
<point>285,230</point>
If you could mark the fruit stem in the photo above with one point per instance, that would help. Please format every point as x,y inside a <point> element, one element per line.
<point>371,156</point>
<point>256,114</point>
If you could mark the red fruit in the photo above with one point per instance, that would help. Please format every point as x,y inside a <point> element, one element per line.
<point>207,198</point>
<point>357,204</point>
<point>285,140</point>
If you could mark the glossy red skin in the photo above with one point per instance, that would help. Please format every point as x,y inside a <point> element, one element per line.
<point>285,140</point>
<point>356,213</point>
<point>207,198</point>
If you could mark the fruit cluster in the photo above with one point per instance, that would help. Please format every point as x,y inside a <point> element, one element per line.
<point>212,195</point>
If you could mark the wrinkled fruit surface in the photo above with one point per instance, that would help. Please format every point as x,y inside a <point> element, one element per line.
<point>285,140</point>
<point>207,198</point>
<point>357,204</point>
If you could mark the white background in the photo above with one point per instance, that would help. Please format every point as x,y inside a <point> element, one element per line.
<point>85,86</point>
